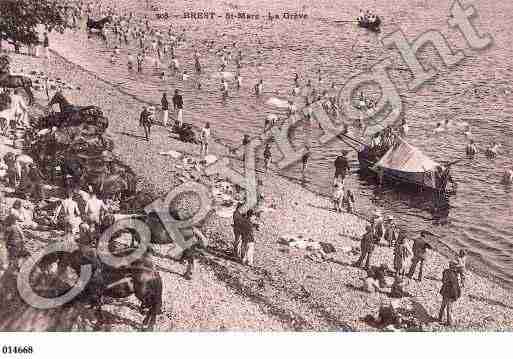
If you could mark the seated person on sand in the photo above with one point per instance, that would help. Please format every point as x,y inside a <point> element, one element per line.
<point>375,279</point>
<point>23,215</point>
<point>397,289</point>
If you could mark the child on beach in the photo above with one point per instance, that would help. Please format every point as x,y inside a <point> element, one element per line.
<point>349,201</point>
<point>338,194</point>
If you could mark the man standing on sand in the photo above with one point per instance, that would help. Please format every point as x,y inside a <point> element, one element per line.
<point>165,109</point>
<point>367,247</point>
<point>178,106</point>
<point>46,45</point>
<point>267,156</point>
<point>204,139</point>
<point>304,162</point>
<point>391,231</point>
<point>450,291</point>
<point>341,166</point>
<point>247,239</point>
<point>237,232</point>
<point>145,121</point>
<point>401,253</point>
<point>420,247</point>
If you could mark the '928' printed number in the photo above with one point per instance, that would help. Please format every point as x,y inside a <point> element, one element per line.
<point>17,349</point>
<point>162,16</point>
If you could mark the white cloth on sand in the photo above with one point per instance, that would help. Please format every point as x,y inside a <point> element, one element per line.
<point>174,154</point>
<point>277,102</point>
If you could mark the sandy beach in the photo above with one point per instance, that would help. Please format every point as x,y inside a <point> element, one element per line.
<point>286,289</point>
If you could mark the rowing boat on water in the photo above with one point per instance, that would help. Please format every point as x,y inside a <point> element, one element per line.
<point>404,163</point>
<point>371,25</point>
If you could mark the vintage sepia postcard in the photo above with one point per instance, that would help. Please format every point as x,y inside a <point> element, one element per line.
<point>255,166</point>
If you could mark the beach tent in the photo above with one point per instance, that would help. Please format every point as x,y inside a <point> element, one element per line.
<point>408,163</point>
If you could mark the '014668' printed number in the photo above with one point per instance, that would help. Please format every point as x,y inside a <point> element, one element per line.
<point>17,349</point>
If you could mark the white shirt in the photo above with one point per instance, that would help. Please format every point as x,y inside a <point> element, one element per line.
<point>205,134</point>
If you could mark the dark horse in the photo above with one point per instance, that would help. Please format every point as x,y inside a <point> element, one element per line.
<point>22,83</point>
<point>138,278</point>
<point>98,25</point>
<point>71,115</point>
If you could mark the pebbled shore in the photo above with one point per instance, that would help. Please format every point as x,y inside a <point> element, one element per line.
<point>285,290</point>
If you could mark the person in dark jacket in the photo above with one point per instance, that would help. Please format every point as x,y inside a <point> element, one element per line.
<point>420,247</point>
<point>165,109</point>
<point>367,247</point>
<point>145,120</point>
<point>247,238</point>
<point>178,106</point>
<point>341,166</point>
<point>14,243</point>
<point>450,291</point>
<point>237,232</point>
<point>71,167</point>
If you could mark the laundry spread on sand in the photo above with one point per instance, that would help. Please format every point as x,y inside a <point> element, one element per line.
<point>174,154</point>
<point>277,102</point>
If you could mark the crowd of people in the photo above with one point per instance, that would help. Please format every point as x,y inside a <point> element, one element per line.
<point>86,224</point>
<point>385,232</point>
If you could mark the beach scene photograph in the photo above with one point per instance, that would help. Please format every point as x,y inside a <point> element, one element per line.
<point>256,166</point>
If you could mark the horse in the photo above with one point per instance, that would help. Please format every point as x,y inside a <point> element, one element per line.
<point>23,83</point>
<point>98,25</point>
<point>71,115</point>
<point>139,279</point>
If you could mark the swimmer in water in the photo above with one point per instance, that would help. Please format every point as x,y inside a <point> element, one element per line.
<point>259,87</point>
<point>468,132</point>
<point>296,90</point>
<point>238,79</point>
<point>471,149</point>
<point>439,128</point>
<point>185,76</point>
<point>224,88</point>
<point>507,178</point>
<point>493,150</point>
